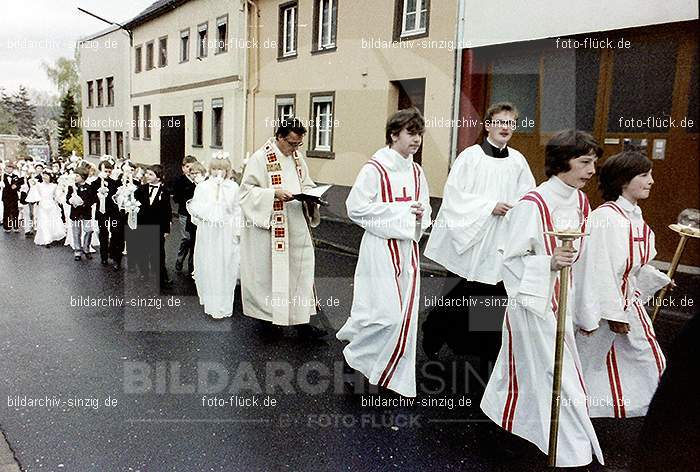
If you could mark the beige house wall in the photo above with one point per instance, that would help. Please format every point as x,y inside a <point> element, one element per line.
<point>360,76</point>
<point>172,90</point>
<point>101,56</point>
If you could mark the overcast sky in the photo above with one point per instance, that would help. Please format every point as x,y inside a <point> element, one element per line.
<point>32,31</point>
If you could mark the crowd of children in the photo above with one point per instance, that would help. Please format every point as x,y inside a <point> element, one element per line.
<point>124,209</point>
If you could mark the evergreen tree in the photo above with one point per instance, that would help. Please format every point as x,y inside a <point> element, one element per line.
<point>23,112</point>
<point>68,123</point>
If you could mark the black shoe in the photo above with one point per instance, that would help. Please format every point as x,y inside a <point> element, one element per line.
<point>117,267</point>
<point>167,283</point>
<point>88,255</point>
<point>77,257</point>
<point>310,332</point>
<point>178,266</point>
<point>104,262</point>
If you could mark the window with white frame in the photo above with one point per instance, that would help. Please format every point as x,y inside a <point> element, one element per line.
<point>185,45</point>
<point>414,18</point>
<point>202,38</point>
<point>147,122</point>
<point>321,122</point>
<point>149,55</point>
<point>110,91</point>
<point>90,90</point>
<point>222,34</point>
<point>100,90</point>
<point>94,143</point>
<point>163,51</point>
<point>135,123</point>
<point>326,13</point>
<point>288,29</point>
<point>137,59</point>
<point>217,122</point>
<point>284,107</point>
<point>108,143</point>
<point>198,123</point>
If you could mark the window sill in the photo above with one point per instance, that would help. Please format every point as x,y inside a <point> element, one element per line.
<point>324,50</point>
<point>321,154</point>
<point>197,146</point>
<point>213,146</point>
<point>146,139</point>
<point>221,52</point>
<point>186,60</point>
<point>412,36</point>
<point>287,58</point>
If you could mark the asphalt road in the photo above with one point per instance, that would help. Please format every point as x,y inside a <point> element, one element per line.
<point>154,387</point>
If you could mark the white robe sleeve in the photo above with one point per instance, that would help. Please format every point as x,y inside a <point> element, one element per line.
<point>392,220</point>
<point>526,181</point>
<point>598,273</point>
<point>527,273</point>
<point>650,279</point>
<point>425,201</point>
<point>464,213</point>
<point>255,195</point>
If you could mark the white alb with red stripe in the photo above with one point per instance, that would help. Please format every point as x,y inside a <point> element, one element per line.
<point>621,371</point>
<point>382,326</point>
<point>518,394</point>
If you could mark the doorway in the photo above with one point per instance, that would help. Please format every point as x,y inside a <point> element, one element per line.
<point>172,146</point>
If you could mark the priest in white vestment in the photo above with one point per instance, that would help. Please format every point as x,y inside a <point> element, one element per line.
<point>622,360</point>
<point>519,392</point>
<point>277,253</point>
<point>391,201</point>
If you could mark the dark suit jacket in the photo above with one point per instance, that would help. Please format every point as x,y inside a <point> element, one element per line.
<point>10,195</point>
<point>183,190</point>
<point>160,213</point>
<point>111,208</point>
<point>87,193</point>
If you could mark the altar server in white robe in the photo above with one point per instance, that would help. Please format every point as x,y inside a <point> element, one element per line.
<point>277,254</point>
<point>622,360</point>
<point>215,211</point>
<point>519,392</point>
<point>391,201</point>
<point>486,180</point>
<point>49,225</point>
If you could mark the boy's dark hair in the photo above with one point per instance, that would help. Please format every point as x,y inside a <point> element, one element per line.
<point>290,125</point>
<point>156,169</point>
<point>105,165</point>
<point>566,145</point>
<point>188,159</point>
<point>498,108</point>
<point>82,171</point>
<point>618,170</point>
<point>409,118</point>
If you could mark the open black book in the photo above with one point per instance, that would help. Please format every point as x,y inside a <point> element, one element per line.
<point>314,195</point>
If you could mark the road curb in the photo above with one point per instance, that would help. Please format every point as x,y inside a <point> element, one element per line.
<point>8,461</point>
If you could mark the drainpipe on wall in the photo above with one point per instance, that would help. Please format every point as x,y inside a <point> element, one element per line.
<point>454,134</point>
<point>249,124</point>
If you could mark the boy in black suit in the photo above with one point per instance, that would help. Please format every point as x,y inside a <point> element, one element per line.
<point>81,197</point>
<point>10,198</point>
<point>154,216</point>
<point>183,190</point>
<point>109,219</point>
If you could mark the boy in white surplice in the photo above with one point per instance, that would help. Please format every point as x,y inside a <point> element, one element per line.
<point>391,201</point>
<point>622,360</point>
